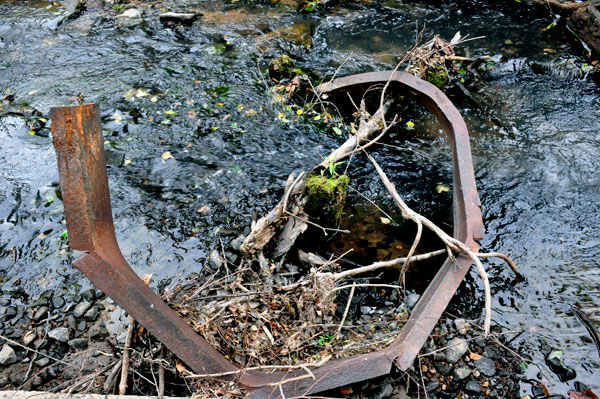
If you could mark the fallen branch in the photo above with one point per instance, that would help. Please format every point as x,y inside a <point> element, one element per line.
<point>452,243</point>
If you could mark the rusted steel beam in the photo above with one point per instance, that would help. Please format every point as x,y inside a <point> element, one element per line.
<point>78,141</point>
<point>468,227</point>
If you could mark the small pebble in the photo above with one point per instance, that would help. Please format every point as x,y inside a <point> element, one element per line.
<point>60,334</point>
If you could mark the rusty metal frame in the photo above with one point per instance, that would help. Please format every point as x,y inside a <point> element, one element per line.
<point>77,137</point>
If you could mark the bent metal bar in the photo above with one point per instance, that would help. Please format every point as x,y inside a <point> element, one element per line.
<point>77,137</point>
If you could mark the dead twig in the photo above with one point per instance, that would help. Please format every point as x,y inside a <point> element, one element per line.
<point>348,303</point>
<point>125,365</point>
<point>451,242</point>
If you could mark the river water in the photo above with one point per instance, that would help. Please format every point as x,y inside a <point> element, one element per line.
<point>196,92</point>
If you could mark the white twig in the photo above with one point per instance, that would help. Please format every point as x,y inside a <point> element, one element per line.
<point>350,296</point>
<point>451,242</point>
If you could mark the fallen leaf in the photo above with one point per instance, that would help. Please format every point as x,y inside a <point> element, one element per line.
<point>347,390</point>
<point>410,125</point>
<point>204,209</point>
<point>475,356</point>
<point>250,112</point>
<point>549,50</point>
<point>385,220</point>
<point>442,188</point>
<point>166,155</point>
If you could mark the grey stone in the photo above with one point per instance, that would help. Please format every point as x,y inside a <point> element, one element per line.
<point>411,300</point>
<point>4,302</point>
<point>60,334</point>
<point>29,338</point>
<point>39,343</point>
<point>58,302</point>
<point>462,372</point>
<point>40,314</point>
<point>114,157</point>
<point>129,18</point>
<point>432,386</point>
<point>91,314</point>
<point>130,13</point>
<point>486,366</point>
<point>366,309</point>
<point>457,347</point>
<point>43,362</point>
<point>585,22</point>
<point>183,18</point>
<point>71,322</point>
<point>89,295</point>
<point>215,259</point>
<point>37,381</point>
<point>81,308</point>
<point>386,392</point>
<point>443,369</point>
<point>7,355</point>
<point>461,326</point>
<point>78,343</point>
<point>236,243</point>
<point>82,326</point>
<point>473,386</point>
<point>11,312</point>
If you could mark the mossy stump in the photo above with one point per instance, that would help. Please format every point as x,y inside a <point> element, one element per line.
<point>325,198</point>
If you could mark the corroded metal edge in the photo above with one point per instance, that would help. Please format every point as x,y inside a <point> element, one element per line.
<point>77,138</point>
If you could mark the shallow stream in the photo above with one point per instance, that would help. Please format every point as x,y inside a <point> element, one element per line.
<point>196,92</point>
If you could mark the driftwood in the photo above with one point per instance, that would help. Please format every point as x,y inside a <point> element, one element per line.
<point>290,208</point>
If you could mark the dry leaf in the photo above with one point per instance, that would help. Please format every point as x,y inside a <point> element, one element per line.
<point>347,390</point>
<point>549,50</point>
<point>204,209</point>
<point>475,356</point>
<point>166,155</point>
<point>181,368</point>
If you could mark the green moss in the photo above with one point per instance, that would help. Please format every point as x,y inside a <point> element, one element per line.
<point>282,66</point>
<point>438,76</point>
<point>325,198</point>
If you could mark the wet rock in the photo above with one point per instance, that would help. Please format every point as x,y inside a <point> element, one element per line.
<point>443,368</point>
<point>461,326</point>
<point>71,322</point>
<point>81,308</point>
<point>411,300</point>
<point>182,18</point>
<point>462,372</point>
<point>40,314</point>
<point>97,330</point>
<point>236,243</point>
<point>114,157</point>
<point>473,386</point>
<point>486,366</point>
<point>457,347</point>
<point>564,372</point>
<point>385,392</point>
<point>432,386</point>
<point>89,295</point>
<point>215,259</point>
<point>29,338</point>
<point>366,310</point>
<point>43,362</point>
<point>11,312</point>
<point>60,334</point>
<point>78,343</point>
<point>39,343</point>
<point>585,22</point>
<point>129,17</point>
<point>58,302</point>
<point>7,355</point>
<point>91,314</point>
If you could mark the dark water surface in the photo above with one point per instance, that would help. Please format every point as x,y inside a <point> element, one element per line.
<point>200,98</point>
